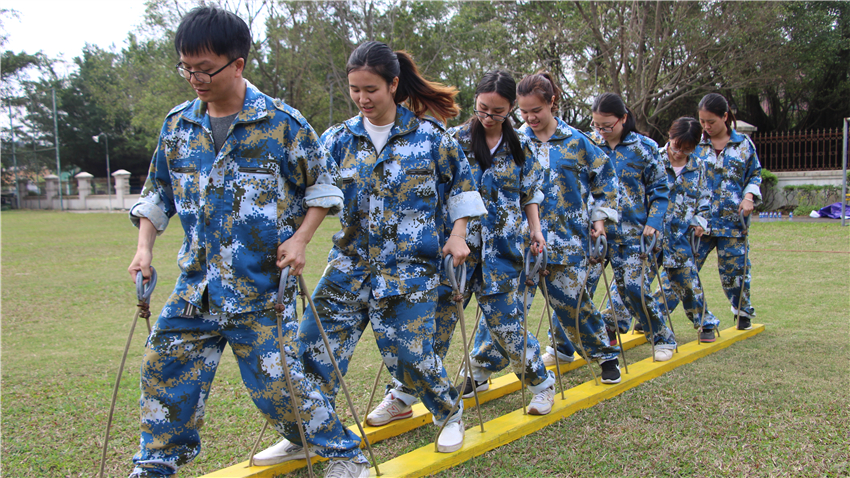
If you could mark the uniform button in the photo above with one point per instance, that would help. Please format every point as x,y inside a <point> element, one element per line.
<point>207,221</point>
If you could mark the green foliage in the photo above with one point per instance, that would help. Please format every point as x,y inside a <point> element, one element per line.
<point>768,190</point>
<point>811,197</point>
<point>660,56</point>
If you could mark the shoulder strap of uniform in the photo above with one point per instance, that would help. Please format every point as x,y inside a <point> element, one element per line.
<point>294,113</point>
<point>179,108</point>
<point>440,125</point>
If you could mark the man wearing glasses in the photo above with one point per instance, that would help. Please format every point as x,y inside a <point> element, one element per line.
<point>250,183</point>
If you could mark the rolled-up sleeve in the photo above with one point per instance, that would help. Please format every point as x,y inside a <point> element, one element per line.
<point>603,184</point>
<point>315,170</point>
<point>156,203</point>
<point>464,199</point>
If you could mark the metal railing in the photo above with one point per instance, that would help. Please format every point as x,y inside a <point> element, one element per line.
<point>799,150</point>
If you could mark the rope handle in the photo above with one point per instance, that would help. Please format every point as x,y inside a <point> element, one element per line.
<point>531,271</point>
<point>643,247</point>
<point>694,240</point>
<point>281,288</point>
<point>144,291</point>
<point>745,221</point>
<point>452,273</point>
<point>599,249</point>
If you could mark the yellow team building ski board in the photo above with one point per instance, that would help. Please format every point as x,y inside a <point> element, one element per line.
<point>425,461</point>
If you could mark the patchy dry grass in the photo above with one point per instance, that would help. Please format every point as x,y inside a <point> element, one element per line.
<point>774,405</point>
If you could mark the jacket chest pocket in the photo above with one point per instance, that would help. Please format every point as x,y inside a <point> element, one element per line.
<point>255,188</point>
<point>185,181</point>
<point>418,183</point>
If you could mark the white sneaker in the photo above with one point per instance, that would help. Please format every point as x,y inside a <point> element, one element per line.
<point>389,409</point>
<point>341,468</point>
<point>541,403</point>
<point>549,359</point>
<point>451,439</point>
<point>663,355</point>
<point>283,451</point>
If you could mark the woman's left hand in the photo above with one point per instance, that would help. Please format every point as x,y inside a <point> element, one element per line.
<point>746,206</point>
<point>456,246</point>
<point>537,242</point>
<point>649,231</point>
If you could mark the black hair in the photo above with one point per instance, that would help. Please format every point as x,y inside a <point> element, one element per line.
<point>214,30</point>
<point>716,104</point>
<point>542,85</point>
<point>686,131</point>
<point>421,95</point>
<point>503,84</point>
<point>612,104</point>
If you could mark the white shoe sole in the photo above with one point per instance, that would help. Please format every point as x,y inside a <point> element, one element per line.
<point>449,449</point>
<point>373,423</point>
<point>539,411</point>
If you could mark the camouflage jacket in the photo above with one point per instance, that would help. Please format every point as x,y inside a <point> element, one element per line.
<point>732,175</point>
<point>496,240</point>
<point>643,186</point>
<point>688,207</point>
<point>236,206</point>
<point>579,186</point>
<point>392,220</point>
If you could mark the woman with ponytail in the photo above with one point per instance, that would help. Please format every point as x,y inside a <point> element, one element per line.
<point>401,175</point>
<point>508,178</point>
<point>642,206</point>
<point>688,208</point>
<point>580,190</point>
<point>734,176</point>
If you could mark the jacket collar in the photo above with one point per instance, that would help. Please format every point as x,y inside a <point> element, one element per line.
<point>405,122</point>
<point>690,165</point>
<point>254,108</point>
<point>630,138</point>
<point>562,131</point>
<point>734,138</point>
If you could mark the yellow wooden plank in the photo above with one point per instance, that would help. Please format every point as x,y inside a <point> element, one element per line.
<point>499,387</point>
<point>512,426</point>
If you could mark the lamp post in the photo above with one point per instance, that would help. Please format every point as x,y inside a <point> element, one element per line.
<point>96,139</point>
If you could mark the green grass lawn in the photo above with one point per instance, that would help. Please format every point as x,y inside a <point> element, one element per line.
<point>773,405</point>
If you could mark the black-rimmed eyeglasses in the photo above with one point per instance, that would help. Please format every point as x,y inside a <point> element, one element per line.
<point>482,115</point>
<point>201,76</point>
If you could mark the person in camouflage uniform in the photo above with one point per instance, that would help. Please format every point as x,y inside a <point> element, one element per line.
<point>688,208</point>
<point>250,183</point>
<point>385,265</point>
<point>508,178</point>
<point>580,190</point>
<point>733,172</point>
<point>642,206</point>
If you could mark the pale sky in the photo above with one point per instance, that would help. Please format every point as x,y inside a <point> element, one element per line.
<point>65,26</point>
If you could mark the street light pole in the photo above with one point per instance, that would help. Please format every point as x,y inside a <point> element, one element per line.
<point>96,139</point>
<point>56,141</point>
<point>14,158</point>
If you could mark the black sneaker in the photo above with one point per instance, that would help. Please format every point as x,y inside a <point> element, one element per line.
<point>610,371</point>
<point>707,335</point>
<point>638,327</point>
<point>479,386</point>
<point>744,323</point>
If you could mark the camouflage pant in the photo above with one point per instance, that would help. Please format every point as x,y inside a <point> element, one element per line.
<point>404,328</point>
<point>178,367</point>
<point>627,265</point>
<point>499,338</point>
<point>730,264</point>
<point>567,296</point>
<point>680,284</point>
<point>683,284</point>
